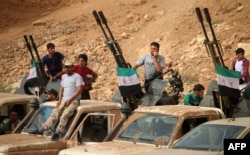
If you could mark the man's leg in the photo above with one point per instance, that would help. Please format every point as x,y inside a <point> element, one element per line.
<point>146,84</point>
<point>52,118</point>
<point>45,126</point>
<point>67,113</point>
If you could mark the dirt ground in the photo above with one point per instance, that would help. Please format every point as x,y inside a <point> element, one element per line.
<point>134,24</point>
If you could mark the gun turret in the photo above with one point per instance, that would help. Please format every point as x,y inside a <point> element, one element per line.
<point>117,53</point>
<point>41,80</point>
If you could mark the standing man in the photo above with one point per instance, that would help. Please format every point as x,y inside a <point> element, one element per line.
<point>153,64</point>
<point>241,64</point>
<point>84,71</point>
<point>69,98</point>
<point>195,98</point>
<point>53,61</point>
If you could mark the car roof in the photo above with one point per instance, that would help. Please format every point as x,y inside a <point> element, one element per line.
<point>180,110</point>
<point>17,98</point>
<point>240,121</point>
<point>88,105</point>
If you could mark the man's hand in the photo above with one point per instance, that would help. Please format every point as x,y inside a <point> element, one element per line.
<point>67,103</point>
<point>54,78</point>
<point>50,78</point>
<point>155,55</point>
<point>58,104</point>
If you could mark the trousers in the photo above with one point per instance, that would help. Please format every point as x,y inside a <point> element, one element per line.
<point>63,113</point>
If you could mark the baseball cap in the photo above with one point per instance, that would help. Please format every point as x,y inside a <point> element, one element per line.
<point>51,91</point>
<point>68,63</point>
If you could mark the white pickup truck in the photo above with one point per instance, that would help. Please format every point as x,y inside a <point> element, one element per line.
<point>91,122</point>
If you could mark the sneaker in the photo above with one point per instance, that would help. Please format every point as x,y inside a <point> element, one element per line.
<point>36,132</point>
<point>55,136</point>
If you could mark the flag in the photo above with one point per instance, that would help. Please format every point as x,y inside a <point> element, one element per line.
<point>128,81</point>
<point>228,82</point>
<point>32,72</point>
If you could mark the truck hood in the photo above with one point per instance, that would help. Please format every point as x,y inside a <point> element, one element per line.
<point>169,151</point>
<point>24,142</point>
<point>109,148</point>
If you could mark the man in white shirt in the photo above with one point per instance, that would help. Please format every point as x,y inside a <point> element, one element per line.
<point>69,97</point>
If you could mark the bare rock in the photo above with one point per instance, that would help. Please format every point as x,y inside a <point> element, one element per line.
<point>38,23</point>
<point>138,2</point>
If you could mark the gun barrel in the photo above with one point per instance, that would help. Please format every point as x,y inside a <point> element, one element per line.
<point>218,47</point>
<point>39,67</point>
<point>110,40</point>
<point>216,55</point>
<point>198,13</point>
<point>29,47</point>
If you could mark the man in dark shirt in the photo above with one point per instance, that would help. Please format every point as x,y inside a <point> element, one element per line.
<point>53,61</point>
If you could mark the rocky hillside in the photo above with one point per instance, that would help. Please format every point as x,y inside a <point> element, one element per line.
<point>136,23</point>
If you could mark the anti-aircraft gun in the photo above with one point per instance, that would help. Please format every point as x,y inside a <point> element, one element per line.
<point>156,94</point>
<point>233,105</point>
<point>40,80</point>
<point>37,81</point>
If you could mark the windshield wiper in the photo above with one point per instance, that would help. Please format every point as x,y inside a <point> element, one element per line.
<point>190,148</point>
<point>126,138</point>
<point>146,140</point>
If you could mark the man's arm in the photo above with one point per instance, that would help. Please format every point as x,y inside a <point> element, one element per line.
<point>94,76</point>
<point>157,65</point>
<point>136,66</point>
<point>245,68</point>
<point>139,62</point>
<point>60,96</point>
<point>58,75</point>
<point>75,95</point>
<point>187,99</point>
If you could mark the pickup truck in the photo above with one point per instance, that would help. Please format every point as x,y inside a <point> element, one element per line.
<point>208,138</point>
<point>91,122</point>
<point>9,101</point>
<point>149,127</point>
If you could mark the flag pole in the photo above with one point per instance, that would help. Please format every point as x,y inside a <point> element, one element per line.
<point>220,102</point>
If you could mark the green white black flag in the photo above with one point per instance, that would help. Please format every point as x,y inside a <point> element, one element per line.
<point>128,81</point>
<point>32,72</point>
<point>228,81</point>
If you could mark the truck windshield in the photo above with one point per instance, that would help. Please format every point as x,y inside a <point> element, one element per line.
<point>209,137</point>
<point>147,128</point>
<point>38,119</point>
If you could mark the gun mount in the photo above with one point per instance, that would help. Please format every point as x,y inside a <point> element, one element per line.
<point>230,106</point>
<point>40,80</point>
<point>156,94</point>
<point>116,51</point>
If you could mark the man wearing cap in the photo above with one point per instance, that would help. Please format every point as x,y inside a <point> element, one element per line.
<point>51,95</point>
<point>53,61</point>
<point>69,98</point>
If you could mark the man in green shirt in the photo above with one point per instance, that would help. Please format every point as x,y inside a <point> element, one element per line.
<point>195,98</point>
